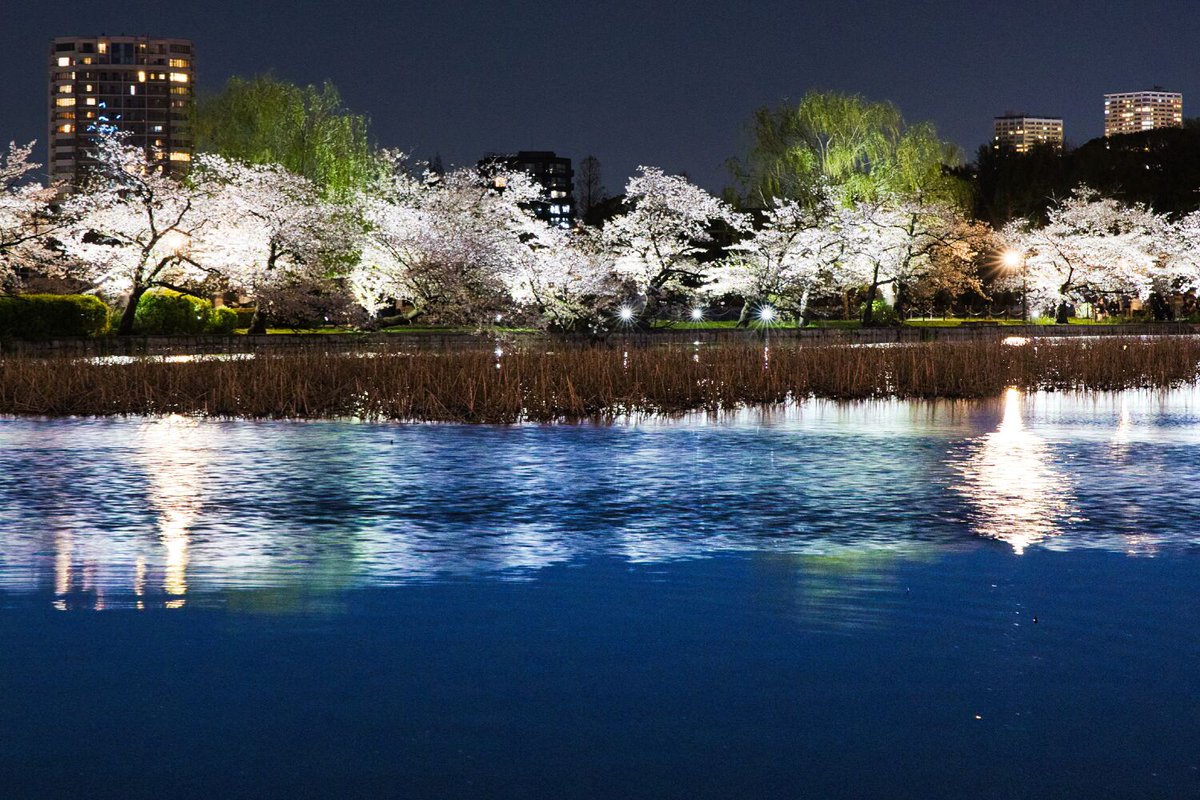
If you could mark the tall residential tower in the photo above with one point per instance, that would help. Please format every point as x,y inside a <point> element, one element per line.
<point>1133,112</point>
<point>140,86</point>
<point>551,172</point>
<point>1020,133</point>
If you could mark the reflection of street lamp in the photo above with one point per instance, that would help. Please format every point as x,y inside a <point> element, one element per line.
<point>1011,260</point>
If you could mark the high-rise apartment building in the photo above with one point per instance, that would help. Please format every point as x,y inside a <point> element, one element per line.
<point>550,171</point>
<point>138,85</point>
<point>1133,112</point>
<point>1020,133</point>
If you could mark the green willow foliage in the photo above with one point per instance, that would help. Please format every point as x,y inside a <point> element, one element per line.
<point>306,129</point>
<point>859,147</point>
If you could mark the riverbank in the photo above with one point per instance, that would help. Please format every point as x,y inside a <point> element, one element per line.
<point>531,382</point>
<point>435,340</point>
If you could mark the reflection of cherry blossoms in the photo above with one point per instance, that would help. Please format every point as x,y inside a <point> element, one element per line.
<point>1011,482</point>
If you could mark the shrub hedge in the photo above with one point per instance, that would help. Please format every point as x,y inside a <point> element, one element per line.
<point>52,316</point>
<point>223,321</point>
<point>162,312</point>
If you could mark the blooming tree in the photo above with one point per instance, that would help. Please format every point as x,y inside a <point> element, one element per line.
<point>445,247</point>
<point>1090,245</point>
<point>270,231</point>
<point>137,235</point>
<point>892,242</point>
<point>656,243</point>
<point>565,280</point>
<point>26,213</point>
<point>783,261</point>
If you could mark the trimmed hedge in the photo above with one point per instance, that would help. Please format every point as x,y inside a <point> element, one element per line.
<point>51,316</point>
<point>162,312</point>
<point>223,321</point>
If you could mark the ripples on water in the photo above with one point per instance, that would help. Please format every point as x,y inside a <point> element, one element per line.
<point>120,513</point>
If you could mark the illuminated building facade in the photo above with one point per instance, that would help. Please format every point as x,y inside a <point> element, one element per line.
<point>1020,133</point>
<point>140,86</point>
<point>550,171</point>
<point>1133,112</point>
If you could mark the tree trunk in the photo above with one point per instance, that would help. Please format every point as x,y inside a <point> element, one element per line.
<point>744,316</point>
<point>802,314</point>
<point>869,307</point>
<point>129,316</point>
<point>1062,314</point>
<point>258,322</point>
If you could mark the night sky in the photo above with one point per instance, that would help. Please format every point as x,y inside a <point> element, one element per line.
<point>669,84</point>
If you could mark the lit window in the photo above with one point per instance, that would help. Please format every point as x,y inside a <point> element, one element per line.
<point>102,47</point>
<point>65,101</point>
<point>142,75</point>
<point>132,89</point>
<point>90,101</point>
<point>178,156</point>
<point>87,60</point>
<point>178,62</point>
<point>158,128</point>
<point>64,61</point>
<point>179,77</point>
<point>88,88</point>
<point>66,128</point>
<point>65,89</point>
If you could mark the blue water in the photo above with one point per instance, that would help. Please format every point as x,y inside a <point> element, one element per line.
<point>994,600</point>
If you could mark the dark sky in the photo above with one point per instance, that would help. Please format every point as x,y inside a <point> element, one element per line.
<point>641,82</point>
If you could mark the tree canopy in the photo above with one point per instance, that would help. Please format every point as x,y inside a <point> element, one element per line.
<point>305,129</point>
<point>858,147</point>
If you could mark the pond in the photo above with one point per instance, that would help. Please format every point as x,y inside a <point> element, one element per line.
<point>889,599</point>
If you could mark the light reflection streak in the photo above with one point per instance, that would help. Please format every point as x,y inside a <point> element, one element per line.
<point>1012,483</point>
<point>330,506</point>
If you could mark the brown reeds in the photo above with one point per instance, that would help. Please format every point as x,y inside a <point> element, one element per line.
<point>580,383</point>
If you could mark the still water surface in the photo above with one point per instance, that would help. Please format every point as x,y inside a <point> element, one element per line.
<point>895,600</point>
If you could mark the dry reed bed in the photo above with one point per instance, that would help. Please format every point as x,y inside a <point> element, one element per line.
<point>577,383</point>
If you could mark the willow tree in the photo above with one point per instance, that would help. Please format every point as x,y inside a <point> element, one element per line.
<point>857,147</point>
<point>305,129</point>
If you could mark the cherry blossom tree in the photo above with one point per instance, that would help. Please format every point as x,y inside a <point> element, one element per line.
<point>138,232</point>
<point>657,241</point>
<point>1089,246</point>
<point>565,281</point>
<point>27,212</point>
<point>445,247</point>
<point>891,242</point>
<point>784,260</point>
<point>271,231</point>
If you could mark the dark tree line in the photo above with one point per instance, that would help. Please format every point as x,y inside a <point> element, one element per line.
<point>1158,168</point>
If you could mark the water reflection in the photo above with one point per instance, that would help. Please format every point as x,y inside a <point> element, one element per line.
<point>1017,492</point>
<point>152,513</point>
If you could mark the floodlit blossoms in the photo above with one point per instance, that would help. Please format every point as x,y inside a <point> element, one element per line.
<point>138,233</point>
<point>444,246</point>
<point>27,212</point>
<point>793,253</point>
<point>657,242</point>
<point>269,230</point>
<point>466,247</point>
<point>1091,246</point>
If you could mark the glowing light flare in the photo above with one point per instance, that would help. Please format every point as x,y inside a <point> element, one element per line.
<point>175,242</point>
<point>625,314</point>
<point>1011,259</point>
<point>767,315</point>
<point>697,314</point>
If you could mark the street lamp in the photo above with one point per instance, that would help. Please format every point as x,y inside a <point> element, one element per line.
<point>1012,259</point>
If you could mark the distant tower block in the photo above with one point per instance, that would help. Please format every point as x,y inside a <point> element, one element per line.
<point>1020,133</point>
<point>140,86</point>
<point>1133,112</point>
